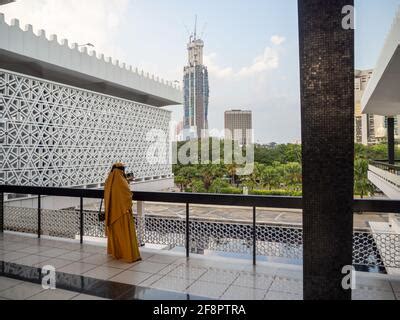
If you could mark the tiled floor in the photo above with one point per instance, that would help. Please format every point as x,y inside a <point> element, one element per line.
<point>212,277</point>
<point>17,290</point>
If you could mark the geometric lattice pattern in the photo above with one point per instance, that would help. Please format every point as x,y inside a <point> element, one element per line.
<point>56,135</point>
<point>57,223</point>
<point>272,241</point>
<point>280,241</point>
<point>365,249</point>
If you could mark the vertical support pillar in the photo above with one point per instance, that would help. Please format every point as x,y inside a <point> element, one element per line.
<point>391,154</point>
<point>141,223</point>
<point>254,236</point>
<point>81,220</point>
<point>39,217</point>
<point>187,231</point>
<point>327,108</point>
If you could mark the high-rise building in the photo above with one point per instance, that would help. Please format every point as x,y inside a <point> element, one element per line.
<point>360,84</point>
<point>196,91</point>
<point>369,129</point>
<point>238,126</point>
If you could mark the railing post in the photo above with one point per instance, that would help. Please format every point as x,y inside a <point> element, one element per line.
<point>39,217</point>
<point>187,231</point>
<point>254,237</point>
<point>81,220</point>
<point>391,141</point>
<point>141,222</point>
<point>1,212</point>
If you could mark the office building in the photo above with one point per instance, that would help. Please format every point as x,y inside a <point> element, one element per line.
<point>238,126</point>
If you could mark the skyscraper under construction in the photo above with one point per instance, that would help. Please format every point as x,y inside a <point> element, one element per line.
<point>196,91</point>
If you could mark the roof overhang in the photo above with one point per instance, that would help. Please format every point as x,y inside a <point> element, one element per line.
<point>24,52</point>
<point>382,95</point>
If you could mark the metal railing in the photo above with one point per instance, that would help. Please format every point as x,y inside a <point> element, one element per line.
<point>384,165</point>
<point>260,238</point>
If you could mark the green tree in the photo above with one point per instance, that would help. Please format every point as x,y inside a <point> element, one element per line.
<point>218,185</point>
<point>249,183</point>
<point>362,186</point>
<point>208,173</point>
<point>270,177</point>
<point>182,182</point>
<point>198,186</point>
<point>184,175</point>
<point>232,170</point>
<point>293,175</point>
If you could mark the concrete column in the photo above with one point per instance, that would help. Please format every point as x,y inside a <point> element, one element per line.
<point>391,154</point>
<point>327,107</point>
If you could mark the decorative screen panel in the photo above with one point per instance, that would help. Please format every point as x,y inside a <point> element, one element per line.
<point>57,135</point>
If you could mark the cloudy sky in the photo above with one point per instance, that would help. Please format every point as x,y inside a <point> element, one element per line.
<point>251,47</point>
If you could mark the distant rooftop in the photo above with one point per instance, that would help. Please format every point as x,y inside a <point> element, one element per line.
<point>21,50</point>
<point>237,110</point>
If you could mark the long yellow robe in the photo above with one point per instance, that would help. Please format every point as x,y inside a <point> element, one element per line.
<point>120,228</point>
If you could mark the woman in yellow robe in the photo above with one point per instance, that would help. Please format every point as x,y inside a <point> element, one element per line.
<point>120,228</point>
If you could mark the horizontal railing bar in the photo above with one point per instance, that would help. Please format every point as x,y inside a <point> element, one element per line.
<point>220,199</point>
<point>382,206</point>
<point>168,197</point>
<point>360,205</point>
<point>385,160</point>
<point>386,165</point>
<point>53,191</point>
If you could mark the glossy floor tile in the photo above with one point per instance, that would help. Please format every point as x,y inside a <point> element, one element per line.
<point>278,295</point>
<point>87,297</point>
<point>209,289</point>
<point>173,283</point>
<point>243,293</point>
<point>219,276</point>
<point>6,283</point>
<point>77,268</point>
<point>89,273</point>
<point>287,285</point>
<point>149,267</point>
<point>56,294</point>
<point>102,272</point>
<point>372,294</point>
<point>253,281</point>
<point>21,291</point>
<point>131,277</point>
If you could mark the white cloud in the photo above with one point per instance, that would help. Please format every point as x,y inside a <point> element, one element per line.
<point>214,69</point>
<point>94,21</point>
<point>277,40</point>
<point>267,61</point>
